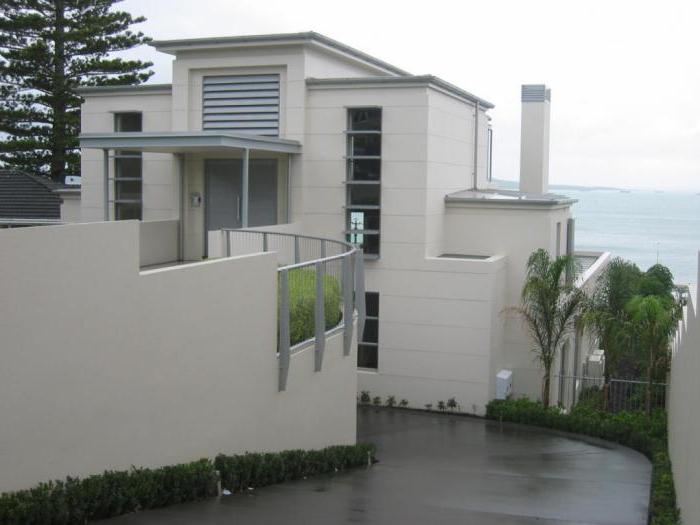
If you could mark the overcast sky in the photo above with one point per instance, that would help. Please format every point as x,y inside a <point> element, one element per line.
<point>625,75</point>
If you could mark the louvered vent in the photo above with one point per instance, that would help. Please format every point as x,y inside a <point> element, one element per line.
<point>242,104</point>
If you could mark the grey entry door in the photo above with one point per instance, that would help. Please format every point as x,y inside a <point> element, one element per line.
<point>263,192</point>
<point>222,193</point>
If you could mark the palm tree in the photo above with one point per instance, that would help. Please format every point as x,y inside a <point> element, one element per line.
<point>654,320</point>
<point>605,314</point>
<point>549,307</point>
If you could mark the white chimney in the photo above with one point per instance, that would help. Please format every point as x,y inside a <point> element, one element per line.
<point>534,139</point>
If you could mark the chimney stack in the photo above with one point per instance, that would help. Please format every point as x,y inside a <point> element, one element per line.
<point>534,139</point>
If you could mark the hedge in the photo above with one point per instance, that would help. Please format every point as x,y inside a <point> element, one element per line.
<point>109,494</point>
<point>302,301</point>
<point>647,434</point>
<point>240,472</point>
<point>114,493</point>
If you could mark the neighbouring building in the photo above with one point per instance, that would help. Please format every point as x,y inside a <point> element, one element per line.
<point>27,199</point>
<point>301,133</point>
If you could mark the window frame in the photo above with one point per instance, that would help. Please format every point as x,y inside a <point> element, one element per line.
<point>352,184</point>
<point>371,344</point>
<point>121,155</point>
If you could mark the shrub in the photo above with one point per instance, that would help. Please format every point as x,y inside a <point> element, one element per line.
<point>403,403</point>
<point>441,406</point>
<point>302,300</point>
<point>109,494</point>
<point>240,472</point>
<point>390,401</point>
<point>637,430</point>
<point>428,406</point>
<point>364,397</point>
<point>376,401</point>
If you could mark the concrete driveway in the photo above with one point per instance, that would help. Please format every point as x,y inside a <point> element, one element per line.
<point>439,469</point>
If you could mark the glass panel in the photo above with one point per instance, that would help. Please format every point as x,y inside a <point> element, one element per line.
<point>366,119</point>
<point>371,333</point>
<point>372,304</point>
<point>367,356</point>
<point>125,211</point>
<point>127,168</point>
<point>127,122</point>
<point>128,190</point>
<point>364,169</point>
<point>371,244</point>
<point>363,220</point>
<point>364,195</point>
<point>365,145</point>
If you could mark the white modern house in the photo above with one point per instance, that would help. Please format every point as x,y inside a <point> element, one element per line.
<point>180,312</point>
<point>299,133</point>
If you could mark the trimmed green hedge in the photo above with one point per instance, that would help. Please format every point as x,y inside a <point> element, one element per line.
<point>240,472</point>
<point>109,494</point>
<point>636,430</point>
<point>114,493</point>
<point>302,301</point>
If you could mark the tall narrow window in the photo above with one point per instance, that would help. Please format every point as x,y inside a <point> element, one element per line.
<point>368,348</point>
<point>363,202</point>
<point>127,171</point>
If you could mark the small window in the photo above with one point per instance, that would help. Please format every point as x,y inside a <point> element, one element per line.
<point>127,121</point>
<point>368,347</point>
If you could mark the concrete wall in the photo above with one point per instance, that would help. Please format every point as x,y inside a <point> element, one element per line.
<point>158,242</point>
<point>105,367</point>
<point>683,421</point>
<point>513,231</point>
<point>71,208</point>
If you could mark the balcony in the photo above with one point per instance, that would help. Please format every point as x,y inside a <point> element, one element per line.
<point>319,281</point>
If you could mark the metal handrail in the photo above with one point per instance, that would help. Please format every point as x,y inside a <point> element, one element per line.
<point>352,292</point>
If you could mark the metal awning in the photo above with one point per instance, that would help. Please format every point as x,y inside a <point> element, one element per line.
<point>186,142</point>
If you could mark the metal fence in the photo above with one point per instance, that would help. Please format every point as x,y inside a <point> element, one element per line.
<point>616,396</point>
<point>321,284</point>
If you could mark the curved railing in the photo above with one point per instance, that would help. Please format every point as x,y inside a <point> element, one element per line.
<point>321,284</point>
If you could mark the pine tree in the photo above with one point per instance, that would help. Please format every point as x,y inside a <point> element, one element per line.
<point>48,49</point>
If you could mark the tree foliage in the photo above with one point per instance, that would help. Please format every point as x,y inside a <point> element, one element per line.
<point>549,307</point>
<point>48,49</point>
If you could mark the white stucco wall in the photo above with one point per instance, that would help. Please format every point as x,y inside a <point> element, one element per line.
<point>513,231</point>
<point>683,421</point>
<point>71,208</point>
<point>160,189</point>
<point>105,367</point>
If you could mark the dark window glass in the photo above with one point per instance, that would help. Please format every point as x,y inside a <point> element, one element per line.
<point>127,122</point>
<point>366,119</point>
<point>364,195</point>
<point>372,304</point>
<point>371,333</point>
<point>127,167</point>
<point>367,356</point>
<point>369,242</point>
<point>128,190</point>
<point>365,145</point>
<point>127,210</point>
<point>363,219</point>
<point>364,169</point>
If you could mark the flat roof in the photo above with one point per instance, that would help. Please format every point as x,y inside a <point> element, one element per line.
<point>176,142</point>
<point>140,88</point>
<point>509,197</point>
<point>173,46</point>
<point>410,80</point>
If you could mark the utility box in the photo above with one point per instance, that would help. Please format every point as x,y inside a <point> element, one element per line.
<point>504,384</point>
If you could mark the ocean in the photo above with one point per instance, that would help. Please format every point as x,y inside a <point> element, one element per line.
<point>639,225</point>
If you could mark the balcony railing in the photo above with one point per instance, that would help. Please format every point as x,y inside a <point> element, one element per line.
<point>321,284</point>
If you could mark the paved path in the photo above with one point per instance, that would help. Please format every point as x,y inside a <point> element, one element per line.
<point>442,469</point>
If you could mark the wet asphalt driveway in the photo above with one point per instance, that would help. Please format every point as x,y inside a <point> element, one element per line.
<point>440,469</point>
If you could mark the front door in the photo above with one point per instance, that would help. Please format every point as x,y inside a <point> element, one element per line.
<point>222,194</point>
